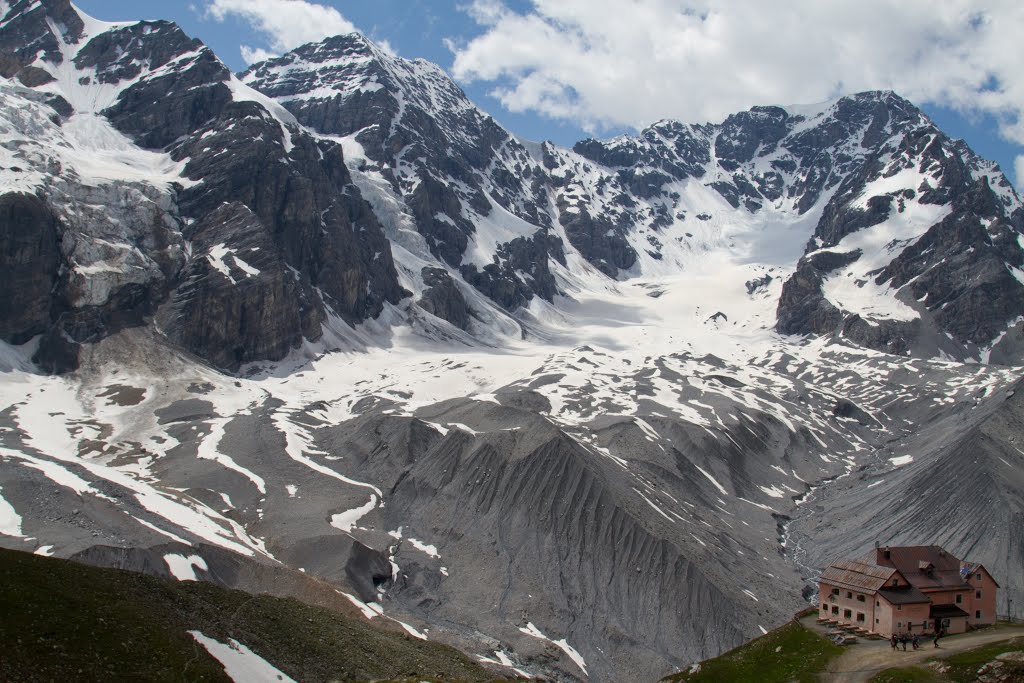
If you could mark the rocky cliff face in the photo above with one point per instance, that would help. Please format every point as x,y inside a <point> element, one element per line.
<point>466,183</point>
<point>142,223</point>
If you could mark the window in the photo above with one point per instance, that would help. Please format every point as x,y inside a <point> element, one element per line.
<point>877,604</point>
<point>899,607</point>
<point>835,609</point>
<point>977,594</point>
<point>847,614</point>
<point>860,617</point>
<point>849,595</point>
<point>959,598</point>
<point>977,614</point>
<point>977,577</point>
<point>835,591</point>
<point>895,582</point>
<point>860,598</point>
<point>876,621</point>
<point>899,625</point>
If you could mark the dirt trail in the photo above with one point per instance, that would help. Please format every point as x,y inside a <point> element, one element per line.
<point>863,660</point>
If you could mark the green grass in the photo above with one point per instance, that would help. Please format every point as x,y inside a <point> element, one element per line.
<point>801,655</point>
<point>907,674</point>
<point>964,665</point>
<point>64,621</point>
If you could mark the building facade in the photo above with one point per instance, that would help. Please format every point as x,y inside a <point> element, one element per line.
<point>908,589</point>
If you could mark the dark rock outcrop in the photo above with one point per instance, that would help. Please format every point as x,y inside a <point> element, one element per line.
<point>443,298</point>
<point>29,262</point>
<point>231,318</point>
<point>367,569</point>
<point>304,197</point>
<point>802,307</point>
<point>519,271</point>
<point>602,242</point>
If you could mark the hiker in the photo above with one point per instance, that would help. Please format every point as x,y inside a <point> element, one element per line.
<point>893,641</point>
<point>917,641</point>
<point>903,641</point>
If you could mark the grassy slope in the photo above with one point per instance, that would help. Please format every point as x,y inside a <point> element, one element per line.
<point>963,666</point>
<point>789,653</point>
<point>67,621</point>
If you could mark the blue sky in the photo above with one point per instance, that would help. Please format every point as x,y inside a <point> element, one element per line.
<point>564,70</point>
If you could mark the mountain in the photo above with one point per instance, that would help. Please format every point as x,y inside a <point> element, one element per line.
<point>914,247</point>
<point>473,199</point>
<point>135,147</point>
<point>590,414</point>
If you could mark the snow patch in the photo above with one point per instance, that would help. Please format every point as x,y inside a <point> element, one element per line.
<point>241,664</point>
<point>10,520</point>
<point>562,644</point>
<point>347,520</point>
<point>424,548</point>
<point>183,568</point>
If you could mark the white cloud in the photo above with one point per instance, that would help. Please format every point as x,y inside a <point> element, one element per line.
<point>1018,164</point>
<point>285,24</point>
<point>251,55</point>
<point>610,63</point>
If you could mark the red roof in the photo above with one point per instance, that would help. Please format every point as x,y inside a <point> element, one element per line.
<point>926,567</point>
<point>857,574</point>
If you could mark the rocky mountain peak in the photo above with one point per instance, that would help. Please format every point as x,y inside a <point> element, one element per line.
<point>29,28</point>
<point>349,65</point>
<point>407,124</point>
<point>334,67</point>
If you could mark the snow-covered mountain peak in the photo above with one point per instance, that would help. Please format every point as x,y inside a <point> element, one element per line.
<point>55,34</point>
<point>348,65</point>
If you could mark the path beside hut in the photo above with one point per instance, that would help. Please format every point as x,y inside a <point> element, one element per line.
<point>867,657</point>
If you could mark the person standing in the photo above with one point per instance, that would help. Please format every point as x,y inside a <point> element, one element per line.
<point>917,641</point>
<point>903,641</point>
<point>892,641</point>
